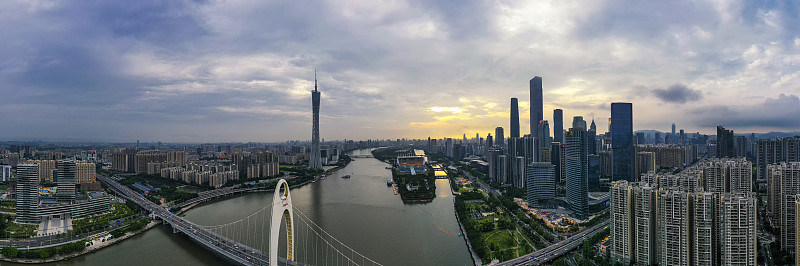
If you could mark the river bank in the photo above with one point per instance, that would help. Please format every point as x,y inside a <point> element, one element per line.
<point>90,249</point>
<point>475,258</point>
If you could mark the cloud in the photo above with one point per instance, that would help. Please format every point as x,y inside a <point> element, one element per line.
<point>781,113</point>
<point>677,93</point>
<point>157,70</point>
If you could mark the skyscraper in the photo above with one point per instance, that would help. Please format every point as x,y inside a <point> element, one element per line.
<point>27,193</point>
<point>493,156</point>
<point>316,160</point>
<point>673,128</point>
<point>644,205</point>
<point>543,139</point>
<point>489,143</point>
<point>499,138</point>
<point>724,143</point>
<point>557,159</point>
<point>541,185</point>
<point>705,228</point>
<point>514,119</point>
<point>674,227</point>
<point>592,138</point>
<point>577,172</point>
<point>536,104</point>
<point>738,242</point>
<point>558,125</point>
<point>66,181</point>
<point>622,222</point>
<point>622,141</point>
<point>578,122</point>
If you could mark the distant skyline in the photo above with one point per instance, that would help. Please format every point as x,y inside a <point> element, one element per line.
<point>207,71</point>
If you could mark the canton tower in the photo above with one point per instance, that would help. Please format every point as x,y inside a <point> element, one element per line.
<point>316,161</point>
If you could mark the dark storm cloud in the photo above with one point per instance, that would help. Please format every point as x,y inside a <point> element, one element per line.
<point>677,93</point>
<point>782,112</point>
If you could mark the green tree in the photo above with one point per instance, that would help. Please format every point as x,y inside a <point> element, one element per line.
<point>9,252</point>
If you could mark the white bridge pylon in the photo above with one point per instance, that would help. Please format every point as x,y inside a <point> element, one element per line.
<point>281,210</point>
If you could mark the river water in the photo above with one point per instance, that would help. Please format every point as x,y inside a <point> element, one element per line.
<point>362,212</point>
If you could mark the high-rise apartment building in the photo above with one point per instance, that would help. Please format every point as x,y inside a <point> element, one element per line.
<point>788,175</point>
<point>85,172</point>
<point>673,227</point>
<point>705,230</point>
<point>740,146</point>
<point>622,222</point>
<point>622,141</point>
<point>738,229</point>
<point>514,125</point>
<point>645,213</point>
<point>143,158</point>
<point>669,156</point>
<point>776,175</point>
<point>740,173</point>
<point>541,184</point>
<point>47,168</point>
<point>768,151</point>
<point>645,162</point>
<point>177,157</point>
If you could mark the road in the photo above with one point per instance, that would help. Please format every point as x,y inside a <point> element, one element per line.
<point>558,249</point>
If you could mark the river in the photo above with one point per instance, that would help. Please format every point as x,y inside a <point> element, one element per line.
<point>362,212</point>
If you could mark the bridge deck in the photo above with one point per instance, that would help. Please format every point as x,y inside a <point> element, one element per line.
<point>227,248</point>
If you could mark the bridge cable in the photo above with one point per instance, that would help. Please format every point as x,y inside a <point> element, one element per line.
<point>330,244</point>
<point>303,215</point>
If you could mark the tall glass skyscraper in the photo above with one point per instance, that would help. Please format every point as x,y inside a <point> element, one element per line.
<point>577,165</point>
<point>499,138</point>
<point>558,125</point>
<point>66,181</point>
<point>622,142</point>
<point>536,105</point>
<point>27,193</point>
<point>514,119</point>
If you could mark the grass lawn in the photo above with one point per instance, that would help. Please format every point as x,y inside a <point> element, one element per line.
<point>16,230</point>
<point>507,244</point>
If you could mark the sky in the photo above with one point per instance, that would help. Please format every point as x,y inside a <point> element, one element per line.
<point>218,71</point>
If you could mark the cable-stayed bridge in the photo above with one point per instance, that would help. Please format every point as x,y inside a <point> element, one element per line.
<point>251,240</point>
